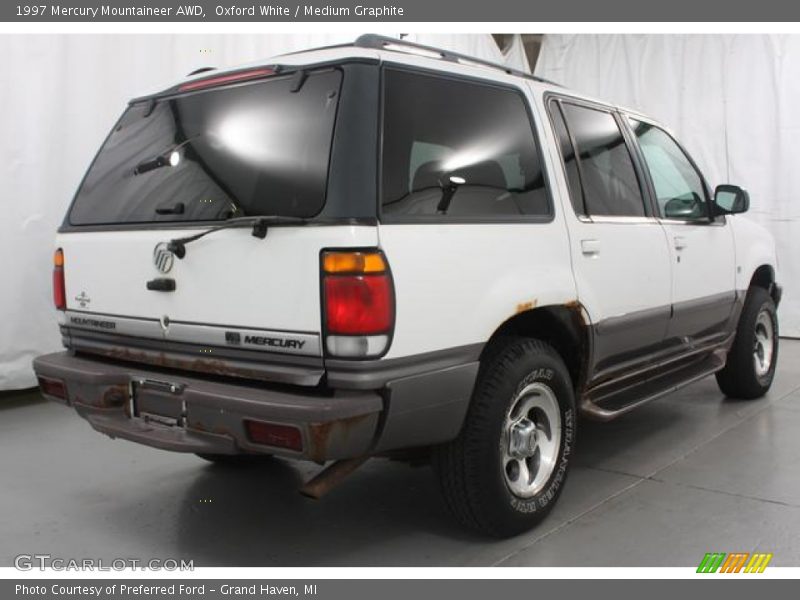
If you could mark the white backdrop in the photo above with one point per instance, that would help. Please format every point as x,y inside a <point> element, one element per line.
<point>734,101</point>
<point>60,95</point>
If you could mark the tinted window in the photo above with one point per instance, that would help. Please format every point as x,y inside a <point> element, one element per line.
<point>455,148</point>
<point>569,158</point>
<point>252,149</point>
<point>610,185</point>
<point>679,188</point>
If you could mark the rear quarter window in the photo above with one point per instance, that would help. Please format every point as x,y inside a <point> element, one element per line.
<point>457,149</point>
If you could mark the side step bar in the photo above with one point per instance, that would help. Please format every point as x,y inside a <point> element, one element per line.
<point>603,404</point>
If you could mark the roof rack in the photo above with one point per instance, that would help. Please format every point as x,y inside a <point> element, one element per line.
<point>380,42</point>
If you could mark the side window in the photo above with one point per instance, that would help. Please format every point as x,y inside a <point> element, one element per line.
<point>679,188</point>
<point>609,182</point>
<point>569,158</point>
<point>455,149</point>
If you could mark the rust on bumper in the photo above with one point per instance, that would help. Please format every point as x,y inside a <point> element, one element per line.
<point>209,416</point>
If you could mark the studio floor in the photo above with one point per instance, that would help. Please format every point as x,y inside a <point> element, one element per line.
<point>685,475</point>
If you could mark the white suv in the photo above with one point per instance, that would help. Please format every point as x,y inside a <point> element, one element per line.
<point>368,249</point>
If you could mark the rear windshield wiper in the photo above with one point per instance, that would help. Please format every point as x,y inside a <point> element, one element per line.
<point>259,225</point>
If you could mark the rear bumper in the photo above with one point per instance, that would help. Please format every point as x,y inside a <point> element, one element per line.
<point>188,414</point>
<point>212,413</point>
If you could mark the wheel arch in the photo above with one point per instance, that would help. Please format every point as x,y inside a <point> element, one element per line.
<point>563,326</point>
<point>764,277</point>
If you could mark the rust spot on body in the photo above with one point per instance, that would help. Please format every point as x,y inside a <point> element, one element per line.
<point>523,306</point>
<point>321,434</point>
<point>199,365</point>
<point>114,396</point>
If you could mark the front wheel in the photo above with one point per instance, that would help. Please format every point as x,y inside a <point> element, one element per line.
<point>507,467</point>
<point>752,359</point>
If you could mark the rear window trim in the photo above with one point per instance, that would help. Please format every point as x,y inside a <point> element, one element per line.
<point>68,226</point>
<point>460,220</point>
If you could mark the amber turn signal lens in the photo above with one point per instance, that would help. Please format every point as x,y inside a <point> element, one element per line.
<point>58,258</point>
<point>353,262</point>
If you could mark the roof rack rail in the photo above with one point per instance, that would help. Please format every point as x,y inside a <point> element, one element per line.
<point>380,42</point>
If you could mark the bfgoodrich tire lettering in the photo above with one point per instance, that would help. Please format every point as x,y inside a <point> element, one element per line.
<point>478,485</point>
<point>750,367</point>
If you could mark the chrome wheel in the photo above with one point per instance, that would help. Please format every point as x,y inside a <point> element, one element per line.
<point>764,343</point>
<point>531,440</point>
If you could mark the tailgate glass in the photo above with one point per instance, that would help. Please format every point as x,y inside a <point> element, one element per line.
<point>252,149</point>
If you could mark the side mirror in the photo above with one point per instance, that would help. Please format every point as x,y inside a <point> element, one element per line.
<point>689,206</point>
<point>730,200</point>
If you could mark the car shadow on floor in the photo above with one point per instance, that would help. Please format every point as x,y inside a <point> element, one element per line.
<point>255,516</point>
<point>11,399</point>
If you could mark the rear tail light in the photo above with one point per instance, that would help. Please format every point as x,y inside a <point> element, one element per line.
<point>59,287</point>
<point>53,387</point>
<point>358,303</point>
<point>273,434</point>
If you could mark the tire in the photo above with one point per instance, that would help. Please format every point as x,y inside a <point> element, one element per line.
<point>236,460</point>
<point>750,367</point>
<point>482,472</point>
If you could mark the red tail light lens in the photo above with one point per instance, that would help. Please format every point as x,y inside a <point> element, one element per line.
<point>273,434</point>
<point>358,304</point>
<point>59,286</point>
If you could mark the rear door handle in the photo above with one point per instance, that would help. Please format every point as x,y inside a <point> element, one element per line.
<point>161,285</point>
<point>590,247</point>
<point>680,242</point>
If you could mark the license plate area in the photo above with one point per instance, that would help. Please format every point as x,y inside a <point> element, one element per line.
<point>158,402</point>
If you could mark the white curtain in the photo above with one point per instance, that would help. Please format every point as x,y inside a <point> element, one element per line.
<point>731,99</point>
<point>60,95</point>
<point>515,56</point>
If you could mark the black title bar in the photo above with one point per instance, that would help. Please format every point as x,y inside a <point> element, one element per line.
<point>401,11</point>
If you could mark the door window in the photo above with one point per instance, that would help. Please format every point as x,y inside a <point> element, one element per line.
<point>680,191</point>
<point>608,178</point>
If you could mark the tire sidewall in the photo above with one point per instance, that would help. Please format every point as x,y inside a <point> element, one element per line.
<point>767,304</point>
<point>514,512</point>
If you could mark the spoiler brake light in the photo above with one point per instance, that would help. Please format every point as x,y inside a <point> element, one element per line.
<point>223,79</point>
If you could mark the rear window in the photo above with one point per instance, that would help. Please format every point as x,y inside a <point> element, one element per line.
<point>249,150</point>
<point>454,149</point>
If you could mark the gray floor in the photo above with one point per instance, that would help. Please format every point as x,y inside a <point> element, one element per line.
<point>683,476</point>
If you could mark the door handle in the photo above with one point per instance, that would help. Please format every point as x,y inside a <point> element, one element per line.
<point>590,247</point>
<point>680,242</point>
<point>161,285</point>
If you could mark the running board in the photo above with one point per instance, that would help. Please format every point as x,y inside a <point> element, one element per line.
<point>606,402</point>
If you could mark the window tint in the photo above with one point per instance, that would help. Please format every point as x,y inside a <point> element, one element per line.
<point>610,185</point>
<point>679,188</point>
<point>253,149</point>
<point>569,158</point>
<point>455,149</point>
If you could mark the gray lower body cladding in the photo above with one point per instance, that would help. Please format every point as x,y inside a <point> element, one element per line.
<point>176,411</point>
